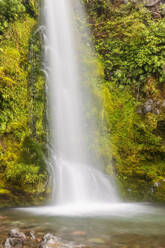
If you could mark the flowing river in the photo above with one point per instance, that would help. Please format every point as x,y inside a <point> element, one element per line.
<point>145,229</point>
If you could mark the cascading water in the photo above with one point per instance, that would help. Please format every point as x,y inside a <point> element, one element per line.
<point>76,181</point>
<point>80,187</point>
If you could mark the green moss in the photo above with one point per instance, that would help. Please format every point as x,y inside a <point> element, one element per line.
<point>131,143</point>
<point>22,165</point>
<point>4,191</point>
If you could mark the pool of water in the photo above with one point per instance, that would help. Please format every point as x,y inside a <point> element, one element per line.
<point>124,226</point>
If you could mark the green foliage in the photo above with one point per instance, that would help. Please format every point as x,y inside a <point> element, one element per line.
<point>131,45</point>
<point>22,163</point>
<point>10,10</point>
<point>32,7</point>
<point>36,90</point>
<point>32,153</point>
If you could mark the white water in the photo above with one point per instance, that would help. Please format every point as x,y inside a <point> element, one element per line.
<point>125,210</point>
<point>79,189</point>
<point>75,180</point>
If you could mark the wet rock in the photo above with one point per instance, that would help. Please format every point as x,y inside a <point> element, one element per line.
<point>48,241</point>
<point>30,235</point>
<point>13,242</point>
<point>151,106</point>
<point>148,105</point>
<point>15,233</point>
<point>147,108</point>
<point>15,239</point>
<point>79,233</point>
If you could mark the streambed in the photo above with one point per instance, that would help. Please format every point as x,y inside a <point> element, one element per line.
<point>143,230</point>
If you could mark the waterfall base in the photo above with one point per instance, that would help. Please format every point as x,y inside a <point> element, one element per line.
<point>79,184</point>
<point>97,209</point>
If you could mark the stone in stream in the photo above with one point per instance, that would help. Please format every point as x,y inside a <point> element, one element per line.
<point>79,233</point>
<point>15,233</point>
<point>49,241</point>
<point>13,242</point>
<point>15,239</point>
<point>30,235</point>
<point>3,217</point>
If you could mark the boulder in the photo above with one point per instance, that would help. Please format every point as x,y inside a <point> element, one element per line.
<point>15,239</point>
<point>13,242</point>
<point>15,233</point>
<point>30,235</point>
<point>48,241</point>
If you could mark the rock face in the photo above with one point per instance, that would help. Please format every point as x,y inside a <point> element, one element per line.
<point>151,106</point>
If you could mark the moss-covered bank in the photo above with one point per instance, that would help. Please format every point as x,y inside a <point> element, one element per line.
<point>23,173</point>
<point>130,39</point>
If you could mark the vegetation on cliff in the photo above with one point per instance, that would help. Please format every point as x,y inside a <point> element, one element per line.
<point>130,43</point>
<point>23,173</point>
<point>130,39</point>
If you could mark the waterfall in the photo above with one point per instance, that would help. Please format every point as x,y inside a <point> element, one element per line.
<point>75,179</point>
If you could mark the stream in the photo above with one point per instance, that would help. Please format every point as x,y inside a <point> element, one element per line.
<point>115,230</point>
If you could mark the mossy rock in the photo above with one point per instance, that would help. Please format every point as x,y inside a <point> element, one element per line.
<point>4,192</point>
